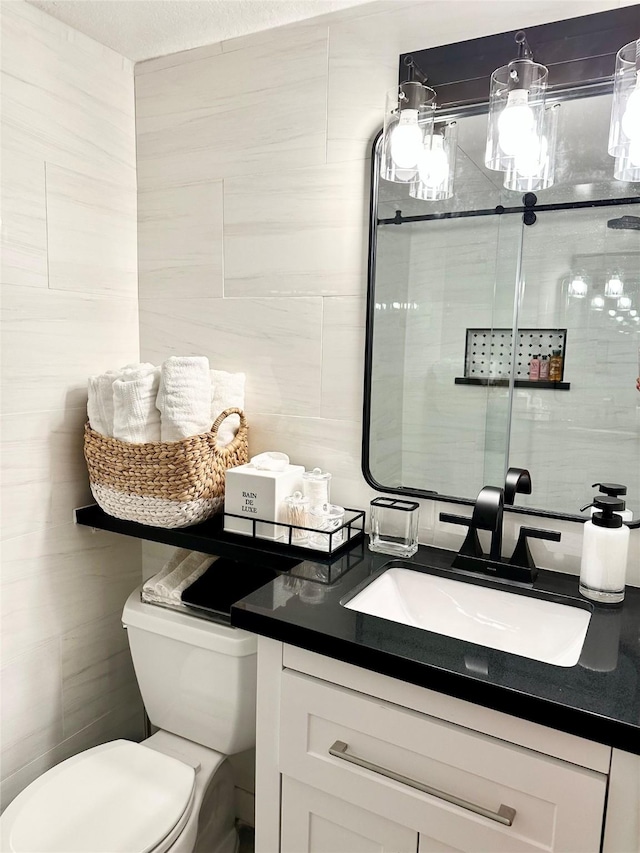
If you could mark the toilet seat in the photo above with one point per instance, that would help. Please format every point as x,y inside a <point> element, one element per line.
<point>120,797</point>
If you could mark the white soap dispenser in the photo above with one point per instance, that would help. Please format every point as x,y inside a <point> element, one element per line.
<point>605,548</point>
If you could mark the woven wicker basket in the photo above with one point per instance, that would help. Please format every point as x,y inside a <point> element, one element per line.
<point>164,484</point>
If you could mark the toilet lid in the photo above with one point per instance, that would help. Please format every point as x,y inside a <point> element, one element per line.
<point>120,797</point>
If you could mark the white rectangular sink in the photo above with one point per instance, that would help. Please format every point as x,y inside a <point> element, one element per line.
<point>519,624</point>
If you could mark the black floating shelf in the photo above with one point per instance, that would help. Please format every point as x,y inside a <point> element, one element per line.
<point>519,383</point>
<point>209,537</point>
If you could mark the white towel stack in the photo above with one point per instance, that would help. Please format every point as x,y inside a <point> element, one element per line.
<point>183,569</point>
<point>227,392</point>
<point>141,403</point>
<point>184,397</point>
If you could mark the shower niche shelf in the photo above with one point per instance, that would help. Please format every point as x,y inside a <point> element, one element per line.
<point>489,357</point>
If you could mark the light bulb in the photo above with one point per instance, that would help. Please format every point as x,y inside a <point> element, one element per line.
<point>597,303</point>
<point>406,140</point>
<point>578,287</point>
<point>611,312</point>
<point>633,312</point>
<point>613,288</point>
<point>624,303</point>
<point>631,118</point>
<point>619,318</point>
<point>530,158</point>
<point>516,123</point>
<point>433,165</point>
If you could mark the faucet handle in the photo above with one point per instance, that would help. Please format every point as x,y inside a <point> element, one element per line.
<point>518,480</point>
<point>471,546</point>
<point>522,555</point>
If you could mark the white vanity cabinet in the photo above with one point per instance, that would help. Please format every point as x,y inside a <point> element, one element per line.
<point>349,761</point>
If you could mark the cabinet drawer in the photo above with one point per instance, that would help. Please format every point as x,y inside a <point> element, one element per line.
<point>558,806</point>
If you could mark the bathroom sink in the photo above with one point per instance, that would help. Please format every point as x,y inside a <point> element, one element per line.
<point>539,628</point>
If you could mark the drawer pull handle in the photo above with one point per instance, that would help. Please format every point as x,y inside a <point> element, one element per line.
<point>505,814</point>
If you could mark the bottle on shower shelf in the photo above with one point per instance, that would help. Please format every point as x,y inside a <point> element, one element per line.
<point>544,369</point>
<point>534,368</point>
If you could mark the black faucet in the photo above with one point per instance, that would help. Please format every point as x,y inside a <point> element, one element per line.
<point>488,514</point>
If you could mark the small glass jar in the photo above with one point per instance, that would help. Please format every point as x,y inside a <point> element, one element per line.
<point>297,514</point>
<point>394,527</point>
<point>325,520</point>
<point>315,486</point>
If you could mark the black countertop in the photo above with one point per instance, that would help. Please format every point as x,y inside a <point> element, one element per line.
<point>598,698</point>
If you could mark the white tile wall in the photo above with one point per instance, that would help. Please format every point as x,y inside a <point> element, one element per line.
<point>289,141</point>
<point>69,308</point>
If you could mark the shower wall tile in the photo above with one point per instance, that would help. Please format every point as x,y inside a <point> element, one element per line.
<point>65,98</point>
<point>343,357</point>
<point>24,221</point>
<point>180,241</point>
<point>31,713</point>
<point>277,342</point>
<point>54,581</point>
<point>302,232</point>
<point>91,233</point>
<point>53,340</point>
<point>95,682</point>
<point>44,474</point>
<point>193,125</point>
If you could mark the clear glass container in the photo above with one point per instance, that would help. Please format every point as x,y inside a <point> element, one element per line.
<point>394,526</point>
<point>437,165</point>
<point>297,513</point>
<point>408,121</point>
<point>316,485</point>
<point>536,170</point>
<point>325,520</point>
<point>624,130</point>
<point>516,114</point>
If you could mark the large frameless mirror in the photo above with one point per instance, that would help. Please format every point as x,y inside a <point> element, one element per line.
<point>504,329</point>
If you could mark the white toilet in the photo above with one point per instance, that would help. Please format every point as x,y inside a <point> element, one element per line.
<point>173,793</point>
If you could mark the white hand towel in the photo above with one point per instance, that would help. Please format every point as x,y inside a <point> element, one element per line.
<point>135,416</point>
<point>180,554</point>
<point>100,402</point>
<point>172,585</point>
<point>184,397</point>
<point>227,392</point>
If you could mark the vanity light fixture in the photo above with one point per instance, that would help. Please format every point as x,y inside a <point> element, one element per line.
<point>577,287</point>
<point>624,130</point>
<point>597,303</point>
<point>614,288</point>
<point>516,138</point>
<point>624,303</point>
<point>436,165</point>
<point>408,126</point>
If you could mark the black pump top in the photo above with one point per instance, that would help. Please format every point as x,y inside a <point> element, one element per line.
<point>611,489</point>
<point>608,506</point>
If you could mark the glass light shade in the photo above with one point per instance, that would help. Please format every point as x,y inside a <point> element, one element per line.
<point>614,288</point>
<point>577,287</point>
<point>624,303</point>
<point>626,170</point>
<point>597,303</point>
<point>516,113</point>
<point>534,168</point>
<point>437,165</point>
<point>624,130</point>
<point>408,120</point>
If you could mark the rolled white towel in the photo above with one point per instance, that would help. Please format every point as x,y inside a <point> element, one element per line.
<point>180,554</point>
<point>184,397</point>
<point>136,418</point>
<point>189,570</point>
<point>100,402</point>
<point>227,392</point>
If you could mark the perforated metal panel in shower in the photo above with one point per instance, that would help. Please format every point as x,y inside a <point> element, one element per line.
<point>488,353</point>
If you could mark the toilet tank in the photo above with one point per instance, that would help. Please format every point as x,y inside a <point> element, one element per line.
<point>197,678</point>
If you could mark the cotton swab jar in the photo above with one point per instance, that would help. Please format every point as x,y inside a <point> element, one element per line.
<point>297,510</point>
<point>315,485</point>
